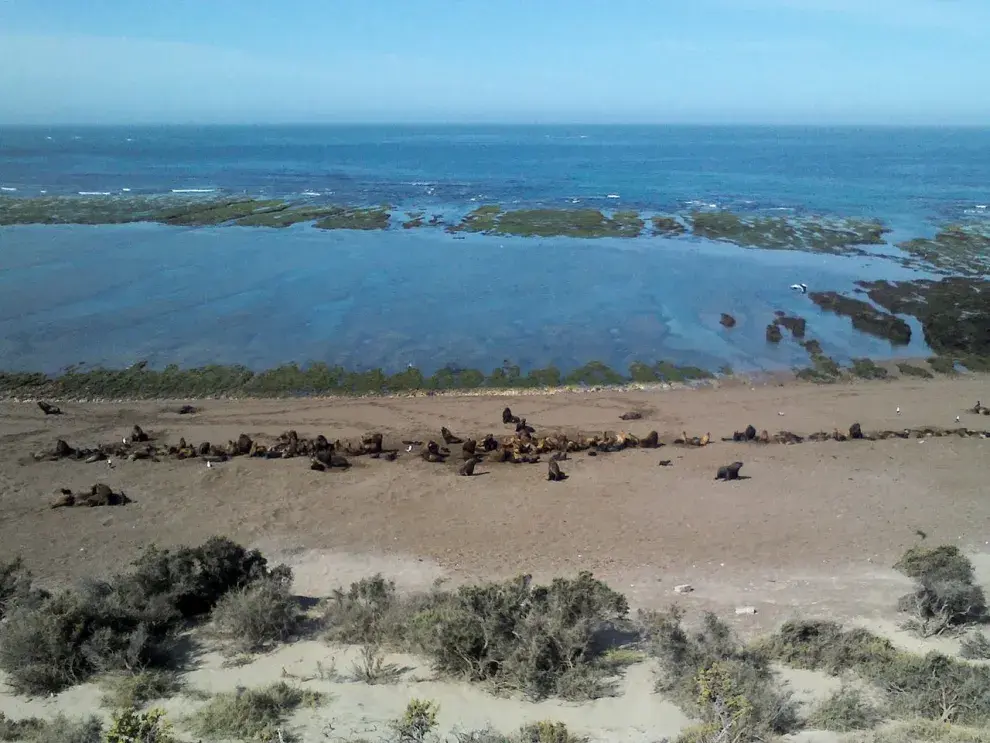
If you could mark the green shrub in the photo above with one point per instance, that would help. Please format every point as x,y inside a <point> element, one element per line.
<point>134,690</point>
<point>975,647</point>
<point>16,586</point>
<point>714,677</point>
<point>251,714</point>
<point>371,667</point>
<point>131,726</point>
<point>257,615</point>
<point>514,636</point>
<point>843,711</point>
<point>819,645</point>
<point>945,596</point>
<point>366,613</point>
<point>60,729</point>
<point>417,722</point>
<point>547,731</point>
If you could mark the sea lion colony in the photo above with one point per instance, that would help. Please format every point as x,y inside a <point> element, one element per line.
<point>523,446</point>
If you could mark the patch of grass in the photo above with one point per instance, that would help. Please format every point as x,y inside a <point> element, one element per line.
<point>845,710</point>
<point>371,668</point>
<point>975,646</point>
<point>867,369</point>
<point>251,714</point>
<point>134,690</point>
<point>664,371</point>
<point>354,218</point>
<point>925,731</point>
<point>59,729</point>
<point>16,586</point>
<point>256,616</point>
<point>216,212</point>
<point>547,731</point>
<point>945,598</point>
<point>910,370</point>
<point>482,219</point>
<point>731,688</point>
<point>370,612</point>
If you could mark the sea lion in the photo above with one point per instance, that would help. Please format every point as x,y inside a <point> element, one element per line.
<point>243,444</point>
<point>467,469</point>
<point>468,448</point>
<point>508,418</point>
<point>554,474</point>
<point>448,437</point>
<point>372,443</point>
<point>203,449</point>
<point>523,427</point>
<point>48,408</point>
<point>321,443</point>
<point>138,435</point>
<point>63,450</point>
<point>764,437</point>
<point>391,456</point>
<point>432,452</point>
<point>631,416</point>
<point>750,433</point>
<point>704,440</point>
<point>665,463</point>
<point>729,471</point>
<point>490,443</point>
<point>855,431</point>
<point>187,410</point>
<point>650,441</point>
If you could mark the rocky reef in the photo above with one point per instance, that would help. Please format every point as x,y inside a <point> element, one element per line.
<point>961,250</point>
<point>584,223</point>
<point>865,317</point>
<point>814,234</point>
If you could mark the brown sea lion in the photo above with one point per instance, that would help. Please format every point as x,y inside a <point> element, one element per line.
<point>243,445</point>
<point>187,410</point>
<point>372,443</point>
<point>750,433</point>
<point>665,463</point>
<point>138,435</point>
<point>632,415</point>
<point>490,443</point>
<point>729,471</point>
<point>48,409</point>
<point>467,469</point>
<point>554,473</point>
<point>448,437</point>
<point>468,448</point>
<point>855,431</point>
<point>508,418</point>
<point>650,441</point>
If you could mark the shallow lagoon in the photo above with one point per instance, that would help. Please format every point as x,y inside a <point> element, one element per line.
<point>113,295</point>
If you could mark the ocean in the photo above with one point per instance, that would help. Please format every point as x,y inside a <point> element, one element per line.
<point>117,294</point>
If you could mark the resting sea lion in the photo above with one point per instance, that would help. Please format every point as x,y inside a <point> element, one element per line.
<point>729,472</point>
<point>554,474</point>
<point>448,437</point>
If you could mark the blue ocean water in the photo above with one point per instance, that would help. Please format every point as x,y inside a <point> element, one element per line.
<point>117,294</point>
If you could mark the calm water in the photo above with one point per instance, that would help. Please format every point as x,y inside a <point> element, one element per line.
<point>261,297</point>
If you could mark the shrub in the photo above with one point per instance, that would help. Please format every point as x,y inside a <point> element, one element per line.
<point>60,729</point>
<point>825,646</point>
<point>514,636</point>
<point>131,726</point>
<point>250,714</point>
<point>945,596</point>
<point>253,616</point>
<point>843,711</point>
<point>547,731</point>
<point>125,624</point>
<point>371,667</point>
<point>417,722</point>
<point>16,585</point>
<point>134,690</point>
<point>975,647</point>
<point>365,613</point>
<point>919,731</point>
<point>713,676</point>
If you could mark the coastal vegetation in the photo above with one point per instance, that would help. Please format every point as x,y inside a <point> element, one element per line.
<point>571,638</point>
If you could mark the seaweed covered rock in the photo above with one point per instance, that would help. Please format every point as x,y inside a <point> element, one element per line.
<point>865,317</point>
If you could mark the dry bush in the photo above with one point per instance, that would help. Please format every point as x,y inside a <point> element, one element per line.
<point>975,647</point>
<point>713,676</point>
<point>946,597</point>
<point>134,690</point>
<point>253,617</point>
<point>819,645</point>
<point>251,714</point>
<point>125,624</point>
<point>924,731</point>
<point>845,710</point>
<point>369,612</point>
<point>371,668</point>
<point>59,729</point>
<point>16,586</point>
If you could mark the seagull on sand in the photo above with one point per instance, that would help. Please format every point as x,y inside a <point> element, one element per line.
<point>803,288</point>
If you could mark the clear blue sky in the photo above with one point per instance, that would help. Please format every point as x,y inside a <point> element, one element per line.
<point>725,61</point>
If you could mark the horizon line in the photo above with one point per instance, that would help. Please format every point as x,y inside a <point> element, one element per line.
<point>480,123</point>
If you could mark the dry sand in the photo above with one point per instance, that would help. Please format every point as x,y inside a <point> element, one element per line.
<point>813,531</point>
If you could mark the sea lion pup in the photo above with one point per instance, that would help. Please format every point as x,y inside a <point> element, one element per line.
<point>244,444</point>
<point>372,443</point>
<point>508,418</point>
<point>764,437</point>
<point>705,440</point>
<point>554,474</point>
<point>187,410</point>
<point>448,437</point>
<point>468,448</point>
<point>524,428</point>
<point>750,432</point>
<point>467,469</point>
<point>138,435</point>
<point>632,415</point>
<point>490,443</point>
<point>729,471</point>
<point>432,452</point>
<point>650,441</point>
<point>665,463</point>
<point>855,431</point>
<point>49,409</point>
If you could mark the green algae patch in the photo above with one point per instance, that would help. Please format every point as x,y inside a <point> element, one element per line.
<point>823,369</point>
<point>584,223</point>
<point>664,226</point>
<point>954,313</point>
<point>286,217</point>
<point>664,371</point>
<point>413,221</point>
<point>868,369</point>
<point>354,218</point>
<point>912,370</point>
<point>813,234</point>
<point>956,249</point>
<point>216,213</point>
<point>865,317</point>
<point>482,219</point>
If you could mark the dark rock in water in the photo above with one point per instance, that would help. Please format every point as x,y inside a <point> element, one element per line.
<point>797,325</point>
<point>728,320</point>
<point>865,317</point>
<point>773,333</point>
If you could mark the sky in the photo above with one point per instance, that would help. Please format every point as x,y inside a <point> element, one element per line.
<point>506,61</point>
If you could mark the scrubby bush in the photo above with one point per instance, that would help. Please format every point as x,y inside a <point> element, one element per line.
<point>134,690</point>
<point>945,596</point>
<point>975,647</point>
<point>731,688</point>
<point>371,667</point>
<point>417,722</point>
<point>16,585</point>
<point>845,710</point>
<point>250,714</point>
<point>535,639</point>
<point>131,726</point>
<point>59,729</point>
<point>547,731</point>
<point>254,616</point>
<point>365,613</point>
<point>125,624</point>
<point>819,645</point>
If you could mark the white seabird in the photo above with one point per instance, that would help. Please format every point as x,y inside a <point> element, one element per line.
<point>803,288</point>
